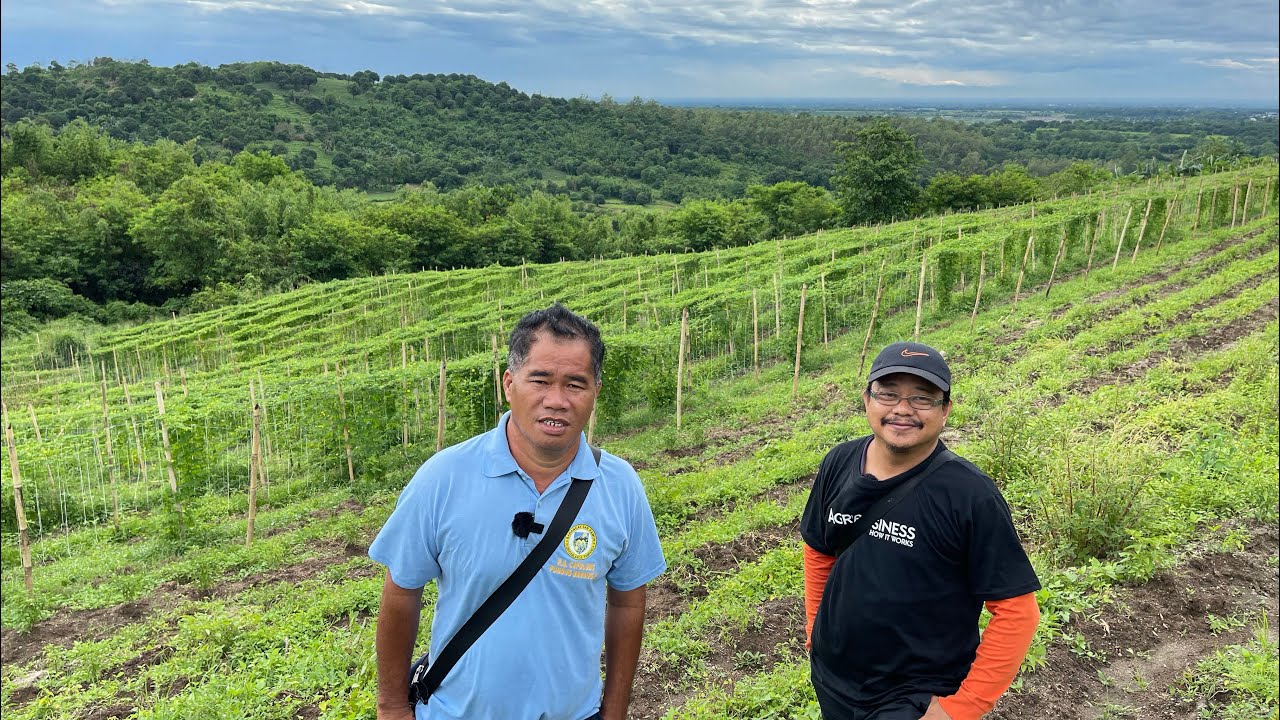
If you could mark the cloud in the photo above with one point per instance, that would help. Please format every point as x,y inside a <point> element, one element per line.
<point>629,45</point>
<point>928,76</point>
<point>1253,64</point>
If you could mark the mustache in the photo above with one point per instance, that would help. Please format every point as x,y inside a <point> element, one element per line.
<point>914,423</point>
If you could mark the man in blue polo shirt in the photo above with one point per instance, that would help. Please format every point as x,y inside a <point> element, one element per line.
<point>540,660</point>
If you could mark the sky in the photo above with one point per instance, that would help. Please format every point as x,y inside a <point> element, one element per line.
<point>1059,50</point>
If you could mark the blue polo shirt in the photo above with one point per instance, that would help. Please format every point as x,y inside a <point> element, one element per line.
<point>541,659</point>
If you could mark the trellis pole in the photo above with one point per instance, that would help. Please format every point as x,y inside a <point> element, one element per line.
<point>755,335</point>
<point>1244,208</point>
<point>497,381</point>
<point>1120,242</point>
<point>777,308</point>
<point>346,433</point>
<point>1168,213</point>
<point>1142,230</point>
<point>795,379</point>
<point>822,288</point>
<point>440,408</point>
<point>111,464</point>
<point>684,344</point>
<point>1062,246</point>
<point>24,539</point>
<point>168,453</point>
<point>982,274</point>
<point>1022,271</point>
<point>255,465</point>
<point>920,295</point>
<point>1097,232</point>
<point>875,310</point>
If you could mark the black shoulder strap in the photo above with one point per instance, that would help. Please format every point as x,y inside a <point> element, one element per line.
<point>887,502</point>
<point>424,680</point>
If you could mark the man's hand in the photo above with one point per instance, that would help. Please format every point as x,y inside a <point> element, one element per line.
<point>935,712</point>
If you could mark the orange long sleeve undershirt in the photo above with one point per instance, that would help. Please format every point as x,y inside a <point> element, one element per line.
<point>1000,652</point>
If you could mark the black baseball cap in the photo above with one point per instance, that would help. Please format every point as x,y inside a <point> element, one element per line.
<point>913,359</point>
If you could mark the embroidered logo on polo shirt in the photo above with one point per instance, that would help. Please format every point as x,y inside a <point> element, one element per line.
<point>580,542</point>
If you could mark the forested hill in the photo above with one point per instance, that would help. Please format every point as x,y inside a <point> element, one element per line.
<point>373,132</point>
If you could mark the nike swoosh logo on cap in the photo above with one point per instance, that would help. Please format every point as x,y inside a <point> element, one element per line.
<point>913,353</point>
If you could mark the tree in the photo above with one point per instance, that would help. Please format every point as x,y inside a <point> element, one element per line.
<point>877,178</point>
<point>792,208</point>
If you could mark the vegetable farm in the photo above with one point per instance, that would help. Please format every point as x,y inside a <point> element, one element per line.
<point>190,501</point>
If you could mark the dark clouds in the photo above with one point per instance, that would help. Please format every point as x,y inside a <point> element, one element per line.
<point>712,48</point>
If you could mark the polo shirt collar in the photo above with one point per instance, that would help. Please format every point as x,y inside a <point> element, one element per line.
<point>501,462</point>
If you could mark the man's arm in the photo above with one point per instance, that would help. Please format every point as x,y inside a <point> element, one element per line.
<point>1004,644</point>
<point>397,630</point>
<point>623,631</point>
<point>817,568</point>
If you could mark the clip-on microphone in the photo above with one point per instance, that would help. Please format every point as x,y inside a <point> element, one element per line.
<point>522,524</point>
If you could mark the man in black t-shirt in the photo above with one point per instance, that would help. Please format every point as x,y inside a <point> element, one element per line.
<point>893,617</point>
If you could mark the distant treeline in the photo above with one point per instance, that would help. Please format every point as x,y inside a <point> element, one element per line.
<point>114,231</point>
<point>377,132</point>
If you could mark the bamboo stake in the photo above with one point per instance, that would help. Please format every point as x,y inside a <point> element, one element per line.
<point>822,287</point>
<point>777,308</point>
<point>497,381</point>
<point>920,296</point>
<point>982,274</point>
<point>755,334</point>
<point>1235,202</point>
<point>168,453</point>
<point>1021,271</point>
<point>111,463</point>
<point>875,310</point>
<point>1097,232</point>
<point>440,408</point>
<point>795,378</point>
<point>1142,229</point>
<point>255,462</point>
<point>1120,242</point>
<point>1062,246</point>
<point>1195,223</point>
<point>24,539</point>
<point>1266,198</point>
<point>1168,213</point>
<point>1244,208</point>
<point>346,433</point>
<point>1213,208</point>
<point>684,343</point>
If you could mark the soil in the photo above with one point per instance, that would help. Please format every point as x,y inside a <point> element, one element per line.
<point>1142,644</point>
<point>68,627</point>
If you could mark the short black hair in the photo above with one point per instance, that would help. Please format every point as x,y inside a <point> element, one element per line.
<point>946,394</point>
<point>563,324</point>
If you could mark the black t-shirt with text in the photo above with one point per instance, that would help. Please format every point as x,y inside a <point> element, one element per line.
<point>899,613</point>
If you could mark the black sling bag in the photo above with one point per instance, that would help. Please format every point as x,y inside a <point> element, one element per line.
<point>424,678</point>
<point>887,502</point>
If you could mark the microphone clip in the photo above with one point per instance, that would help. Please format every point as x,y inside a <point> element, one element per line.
<point>522,524</point>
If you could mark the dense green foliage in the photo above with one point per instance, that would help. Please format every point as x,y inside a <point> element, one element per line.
<point>878,176</point>
<point>371,132</point>
<point>112,231</point>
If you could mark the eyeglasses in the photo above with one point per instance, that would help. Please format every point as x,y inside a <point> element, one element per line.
<point>919,402</point>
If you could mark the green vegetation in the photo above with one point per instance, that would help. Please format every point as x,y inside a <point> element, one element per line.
<point>1097,404</point>
<point>1238,682</point>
